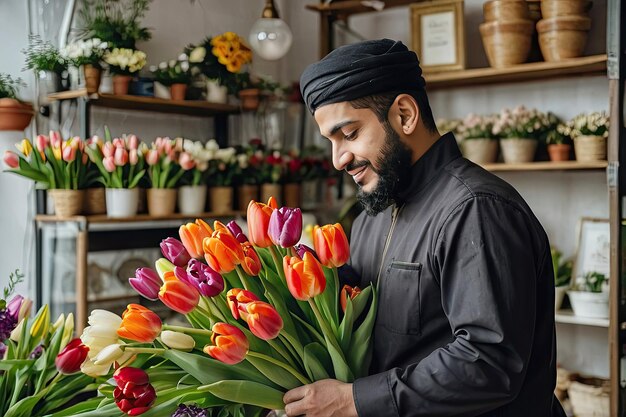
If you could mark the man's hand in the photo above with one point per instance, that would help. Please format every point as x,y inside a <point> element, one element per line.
<point>326,398</point>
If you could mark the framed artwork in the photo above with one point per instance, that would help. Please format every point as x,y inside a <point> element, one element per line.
<point>594,247</point>
<point>438,35</point>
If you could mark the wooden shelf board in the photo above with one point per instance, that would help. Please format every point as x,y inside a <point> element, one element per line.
<point>67,95</point>
<point>101,218</point>
<point>588,65</point>
<point>547,166</point>
<point>348,7</point>
<point>568,317</point>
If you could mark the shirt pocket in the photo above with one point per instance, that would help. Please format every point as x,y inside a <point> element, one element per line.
<point>400,309</point>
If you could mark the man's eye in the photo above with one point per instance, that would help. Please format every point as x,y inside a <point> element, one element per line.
<point>351,135</point>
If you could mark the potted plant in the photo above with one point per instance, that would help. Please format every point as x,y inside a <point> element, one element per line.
<point>248,170</point>
<point>87,55</point>
<point>559,144</point>
<point>14,114</point>
<point>272,173</point>
<point>478,142</point>
<point>123,63</point>
<point>588,297</point>
<point>174,74</point>
<point>164,160</point>
<point>562,276</point>
<point>221,174</point>
<point>589,133</point>
<point>45,59</point>
<point>519,131</point>
<point>192,193</point>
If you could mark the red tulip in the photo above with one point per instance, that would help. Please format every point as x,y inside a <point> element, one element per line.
<point>250,262</point>
<point>348,291</point>
<point>238,299</point>
<point>331,245</point>
<point>175,252</point>
<point>128,377</point>
<point>11,159</point>
<point>133,396</point>
<point>230,344</point>
<point>259,215</point>
<point>69,360</point>
<point>285,227</point>
<point>139,324</point>
<point>263,320</point>
<point>222,252</point>
<point>147,283</point>
<point>108,150</point>
<point>177,295</point>
<point>305,277</point>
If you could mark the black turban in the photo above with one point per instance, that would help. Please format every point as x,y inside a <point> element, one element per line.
<point>359,70</point>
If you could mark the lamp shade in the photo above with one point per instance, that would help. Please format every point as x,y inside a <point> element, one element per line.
<point>270,38</point>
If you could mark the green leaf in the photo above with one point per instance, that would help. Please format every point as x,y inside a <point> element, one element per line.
<point>359,353</point>
<point>24,407</point>
<point>274,373</point>
<point>317,362</point>
<point>345,329</point>
<point>9,364</point>
<point>135,180</point>
<point>247,392</point>
<point>360,301</point>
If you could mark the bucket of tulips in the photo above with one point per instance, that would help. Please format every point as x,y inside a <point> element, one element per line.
<point>265,315</point>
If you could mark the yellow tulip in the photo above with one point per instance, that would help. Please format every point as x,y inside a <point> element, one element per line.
<point>25,147</point>
<point>39,328</point>
<point>60,321</point>
<point>57,153</point>
<point>68,329</point>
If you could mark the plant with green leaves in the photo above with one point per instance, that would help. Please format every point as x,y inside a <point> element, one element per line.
<point>592,282</point>
<point>562,268</point>
<point>9,86</point>
<point>43,56</point>
<point>475,126</point>
<point>592,124</point>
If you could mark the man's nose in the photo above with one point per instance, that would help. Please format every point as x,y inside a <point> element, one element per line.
<point>341,156</point>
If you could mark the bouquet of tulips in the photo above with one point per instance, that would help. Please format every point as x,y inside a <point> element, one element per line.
<point>120,161</point>
<point>167,162</point>
<point>265,315</point>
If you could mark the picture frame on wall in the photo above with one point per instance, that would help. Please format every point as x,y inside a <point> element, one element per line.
<point>438,35</point>
<point>593,248</point>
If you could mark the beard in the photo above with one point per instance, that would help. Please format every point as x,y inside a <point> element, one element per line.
<point>394,166</point>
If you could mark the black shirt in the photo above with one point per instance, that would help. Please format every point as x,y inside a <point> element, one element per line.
<point>465,325</point>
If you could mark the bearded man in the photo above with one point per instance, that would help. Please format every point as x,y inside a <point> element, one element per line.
<point>465,323</point>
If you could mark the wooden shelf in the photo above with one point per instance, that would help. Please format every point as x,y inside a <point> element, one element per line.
<point>538,71</point>
<point>128,102</point>
<point>101,218</point>
<point>547,166</point>
<point>348,7</point>
<point>568,317</point>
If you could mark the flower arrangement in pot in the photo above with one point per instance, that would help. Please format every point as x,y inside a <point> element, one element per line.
<point>14,114</point>
<point>167,163</point>
<point>478,142</point>
<point>46,61</point>
<point>559,143</point>
<point>123,64</point>
<point>174,74</point>
<point>589,133</point>
<point>221,177</point>
<point>562,276</point>
<point>589,295</point>
<point>192,192</point>
<point>247,177</point>
<point>87,55</point>
<point>272,172</point>
<point>519,131</point>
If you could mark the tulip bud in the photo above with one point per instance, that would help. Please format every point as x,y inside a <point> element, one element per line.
<point>178,295</point>
<point>236,231</point>
<point>174,250</point>
<point>305,277</point>
<point>237,300</point>
<point>13,307</point>
<point>108,150</point>
<point>192,235</point>
<point>11,159</point>
<point>258,222</point>
<point>58,323</point>
<point>109,164</point>
<point>263,320</point>
<point>108,355</point>
<point>285,227</point>
<point>177,340</point>
<point>133,157</point>
<point>163,266</point>
<point>134,394</point>
<point>55,139</point>
<point>139,324</point>
<point>69,154</point>
<point>153,157</point>
<point>133,142</point>
<point>207,281</point>
<point>41,142</point>
<point>348,291</point>
<point>222,252</point>
<point>250,263</point>
<point>186,161</point>
<point>39,327</point>
<point>25,147</point>
<point>120,157</point>
<point>230,344</point>
<point>16,334</point>
<point>69,360</point>
<point>331,245</point>
<point>68,329</point>
<point>27,304</point>
<point>135,376</point>
<point>147,283</point>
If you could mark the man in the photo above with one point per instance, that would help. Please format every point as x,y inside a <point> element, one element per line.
<point>465,324</point>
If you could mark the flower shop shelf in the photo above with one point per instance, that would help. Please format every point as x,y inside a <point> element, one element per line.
<point>568,317</point>
<point>101,218</point>
<point>547,166</point>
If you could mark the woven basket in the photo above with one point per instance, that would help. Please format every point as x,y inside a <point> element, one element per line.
<point>590,148</point>
<point>480,151</point>
<point>507,43</point>
<point>563,37</point>
<point>590,398</point>
<point>518,150</point>
<point>67,202</point>
<point>94,201</point>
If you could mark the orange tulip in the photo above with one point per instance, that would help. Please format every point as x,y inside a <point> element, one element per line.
<point>177,295</point>
<point>230,344</point>
<point>331,245</point>
<point>222,252</point>
<point>348,291</point>
<point>263,320</point>
<point>238,299</point>
<point>192,235</point>
<point>258,222</point>
<point>218,226</point>
<point>305,277</point>
<point>251,262</point>
<point>139,324</point>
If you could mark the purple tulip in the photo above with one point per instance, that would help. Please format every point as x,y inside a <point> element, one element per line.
<point>13,307</point>
<point>202,277</point>
<point>285,226</point>
<point>3,350</point>
<point>301,249</point>
<point>147,283</point>
<point>236,231</point>
<point>36,353</point>
<point>174,251</point>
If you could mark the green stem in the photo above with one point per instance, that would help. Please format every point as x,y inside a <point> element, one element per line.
<point>216,313</point>
<point>187,330</point>
<point>281,351</point>
<point>336,297</point>
<point>155,351</point>
<point>330,336</point>
<point>286,367</point>
<point>278,263</point>
<point>243,277</point>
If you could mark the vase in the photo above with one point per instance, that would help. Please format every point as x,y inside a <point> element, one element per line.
<point>221,200</point>
<point>192,199</point>
<point>178,90</point>
<point>292,194</point>
<point>161,201</point>
<point>121,202</point>
<point>518,150</point>
<point>246,193</point>
<point>120,84</point>
<point>507,42</point>
<point>67,203</point>
<point>161,91</point>
<point>93,76</point>
<point>563,37</point>
<point>559,151</point>
<point>590,304</point>
<point>480,151</point>
<point>216,93</point>
<point>95,202</point>
<point>249,98</point>
<point>15,115</point>
<point>271,190</point>
<point>590,148</point>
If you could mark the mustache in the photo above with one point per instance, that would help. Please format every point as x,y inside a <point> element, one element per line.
<point>356,165</point>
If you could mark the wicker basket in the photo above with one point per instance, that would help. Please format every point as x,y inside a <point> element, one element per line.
<point>507,43</point>
<point>563,37</point>
<point>505,10</point>
<point>480,151</point>
<point>590,148</point>
<point>590,397</point>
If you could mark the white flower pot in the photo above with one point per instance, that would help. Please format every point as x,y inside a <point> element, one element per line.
<point>216,93</point>
<point>122,202</point>
<point>161,91</point>
<point>590,304</point>
<point>559,293</point>
<point>518,150</point>
<point>192,199</point>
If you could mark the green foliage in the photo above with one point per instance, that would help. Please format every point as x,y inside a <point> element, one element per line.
<point>562,269</point>
<point>9,86</point>
<point>43,56</point>
<point>593,282</point>
<point>14,279</point>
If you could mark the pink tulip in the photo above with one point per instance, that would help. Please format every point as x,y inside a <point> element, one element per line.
<point>120,157</point>
<point>133,158</point>
<point>69,153</point>
<point>147,283</point>
<point>178,144</point>
<point>133,142</point>
<point>175,252</point>
<point>186,161</point>
<point>11,159</point>
<point>95,139</point>
<point>55,139</point>
<point>108,149</point>
<point>119,143</point>
<point>109,164</point>
<point>85,158</point>
<point>168,146</point>
<point>41,142</point>
<point>153,157</point>
<point>159,144</point>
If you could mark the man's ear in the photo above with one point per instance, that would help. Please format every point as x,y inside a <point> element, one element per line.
<point>404,114</point>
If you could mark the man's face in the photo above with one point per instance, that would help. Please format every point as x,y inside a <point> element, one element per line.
<point>368,150</point>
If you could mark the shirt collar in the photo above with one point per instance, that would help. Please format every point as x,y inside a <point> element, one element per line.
<point>440,154</point>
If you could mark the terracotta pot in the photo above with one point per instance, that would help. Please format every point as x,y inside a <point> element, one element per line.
<point>556,8</point>
<point>250,98</point>
<point>518,150</point>
<point>507,43</point>
<point>93,76</point>
<point>192,199</point>
<point>480,151</point>
<point>590,148</point>
<point>15,115</point>
<point>178,91</point>
<point>161,201</point>
<point>271,190</point>
<point>221,199</point>
<point>120,84</point>
<point>563,37</point>
<point>67,202</point>
<point>505,10</point>
<point>292,195</point>
<point>559,151</point>
<point>95,202</point>
<point>246,193</point>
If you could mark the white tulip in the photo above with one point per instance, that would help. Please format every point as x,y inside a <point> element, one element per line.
<point>108,355</point>
<point>177,340</point>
